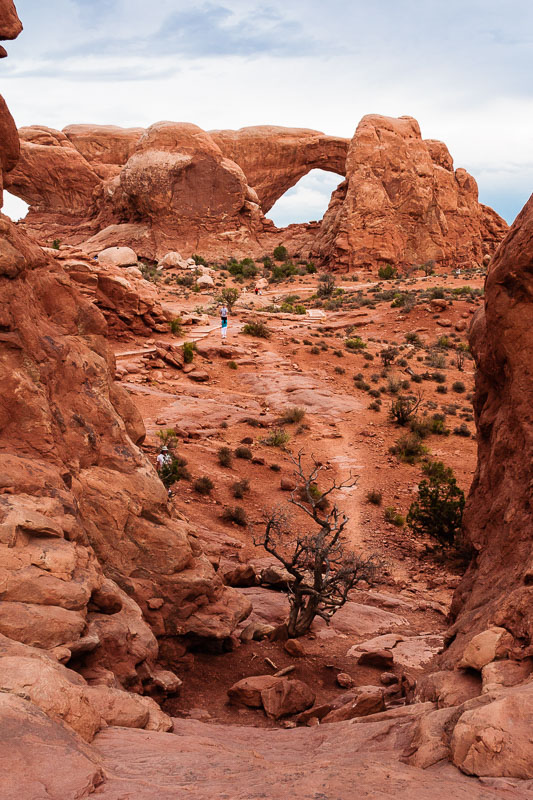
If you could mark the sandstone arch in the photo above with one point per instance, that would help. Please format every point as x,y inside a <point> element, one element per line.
<point>275,158</point>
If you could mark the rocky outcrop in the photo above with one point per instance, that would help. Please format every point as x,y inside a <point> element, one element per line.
<point>403,204</point>
<point>177,187</point>
<point>498,587</point>
<point>94,570</point>
<point>275,158</point>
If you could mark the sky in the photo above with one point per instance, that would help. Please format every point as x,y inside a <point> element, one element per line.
<point>461,67</point>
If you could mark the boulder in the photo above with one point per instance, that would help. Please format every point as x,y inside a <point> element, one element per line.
<point>344,680</point>
<point>495,739</point>
<point>117,257</point>
<point>286,697</point>
<point>448,688</point>
<point>383,659</point>
<point>505,673</point>
<point>173,259</point>
<point>359,702</point>
<point>490,645</point>
<point>205,281</point>
<point>248,691</point>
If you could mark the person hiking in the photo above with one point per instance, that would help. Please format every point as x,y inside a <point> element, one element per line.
<point>224,322</point>
<point>163,459</point>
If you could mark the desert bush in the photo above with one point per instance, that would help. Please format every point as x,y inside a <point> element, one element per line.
<point>462,430</point>
<point>237,514</point>
<point>293,414</point>
<point>175,470</point>
<point>355,343</point>
<point>280,253</point>
<point>277,438</point>
<point>203,485</point>
<point>458,386</point>
<point>232,365</point>
<point>175,327</point>
<point>387,272</point>
<point>438,510</point>
<point>393,517</point>
<point>375,405</point>
<point>243,452</point>
<point>437,360</point>
<point>168,437</point>
<point>240,488</point>
<point>387,355</point>
<point>413,338</point>
<point>228,296</point>
<point>199,260</point>
<point>404,408</point>
<point>326,284</point>
<point>441,389</point>
<point>188,352</point>
<point>374,497</point>
<point>409,448</point>
<point>225,456</point>
<point>256,328</point>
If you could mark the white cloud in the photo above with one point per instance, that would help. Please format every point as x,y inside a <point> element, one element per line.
<point>14,207</point>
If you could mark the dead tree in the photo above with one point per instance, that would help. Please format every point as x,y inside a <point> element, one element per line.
<point>322,570</point>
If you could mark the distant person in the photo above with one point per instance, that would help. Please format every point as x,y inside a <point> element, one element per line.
<point>224,323</point>
<point>164,459</point>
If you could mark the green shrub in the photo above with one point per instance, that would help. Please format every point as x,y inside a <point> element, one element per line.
<point>229,296</point>
<point>277,438</point>
<point>326,285</point>
<point>240,488</point>
<point>387,272</point>
<point>56,244</point>
<point>374,497</point>
<point>310,268</point>
<point>232,365</point>
<point>403,409</point>
<point>387,355</point>
<point>393,517</point>
<point>462,430</point>
<point>236,515</point>
<point>199,260</point>
<point>256,328</point>
<point>188,352</point>
<point>375,405</point>
<point>438,510</point>
<point>175,471</point>
<point>168,437</point>
<point>175,327</point>
<point>355,343</point>
<point>437,470</point>
<point>280,253</point>
<point>225,457</point>
<point>413,338</point>
<point>243,452</point>
<point>458,386</point>
<point>409,448</point>
<point>203,485</point>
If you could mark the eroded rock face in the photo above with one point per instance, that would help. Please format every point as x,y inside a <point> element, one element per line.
<point>497,590</point>
<point>176,187</point>
<point>86,536</point>
<point>402,203</point>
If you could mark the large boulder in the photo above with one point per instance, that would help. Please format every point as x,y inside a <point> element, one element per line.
<point>117,257</point>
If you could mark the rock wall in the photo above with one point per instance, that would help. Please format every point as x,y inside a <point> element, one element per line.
<point>404,204</point>
<point>498,587</point>
<point>177,187</point>
<point>93,567</point>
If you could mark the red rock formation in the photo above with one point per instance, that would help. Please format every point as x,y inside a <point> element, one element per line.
<point>275,158</point>
<point>176,187</point>
<point>403,204</point>
<point>498,587</point>
<point>86,535</point>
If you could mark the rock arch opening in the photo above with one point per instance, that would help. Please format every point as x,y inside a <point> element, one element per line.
<point>14,207</point>
<point>307,200</point>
